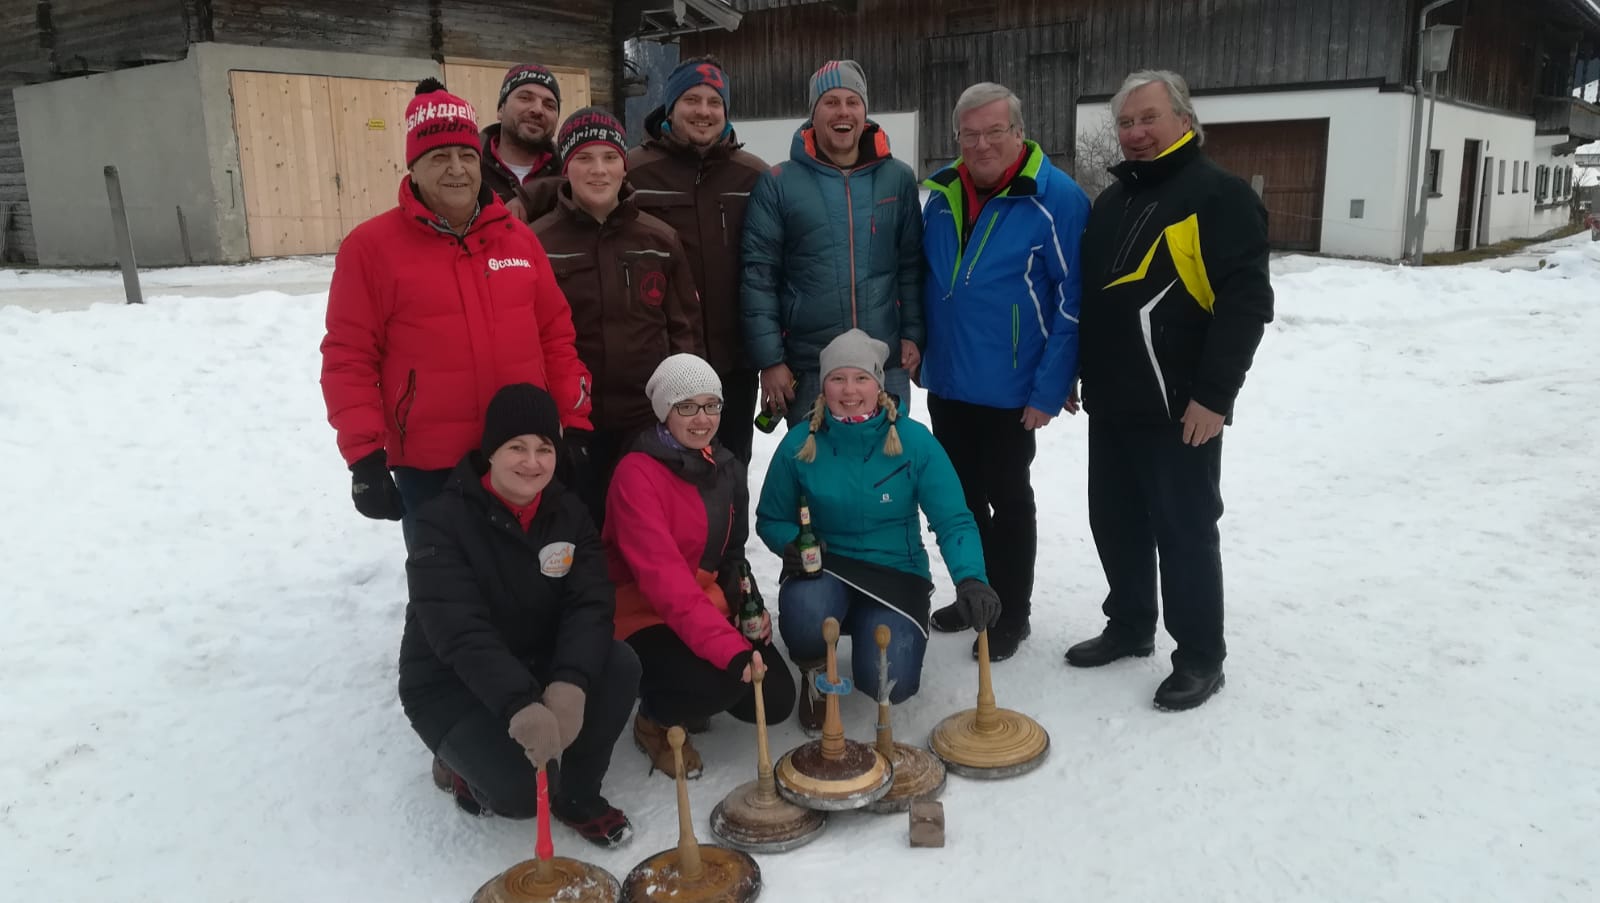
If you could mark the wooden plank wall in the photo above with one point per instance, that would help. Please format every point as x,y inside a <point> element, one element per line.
<point>1216,44</point>
<point>100,35</point>
<point>22,59</point>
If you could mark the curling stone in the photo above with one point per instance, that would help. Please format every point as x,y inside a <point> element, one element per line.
<point>691,873</point>
<point>754,818</point>
<point>833,774</point>
<point>989,742</point>
<point>918,773</point>
<point>549,877</point>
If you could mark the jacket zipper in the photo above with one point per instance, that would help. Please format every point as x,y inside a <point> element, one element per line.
<point>728,534</point>
<point>1016,333</point>
<point>891,475</point>
<point>722,214</point>
<point>402,407</point>
<point>850,218</point>
<point>981,244</point>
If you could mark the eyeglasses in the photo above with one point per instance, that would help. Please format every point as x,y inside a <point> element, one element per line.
<point>992,136</point>
<point>1145,121</point>
<point>691,408</point>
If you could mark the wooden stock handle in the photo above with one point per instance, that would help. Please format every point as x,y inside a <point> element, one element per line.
<point>689,865</point>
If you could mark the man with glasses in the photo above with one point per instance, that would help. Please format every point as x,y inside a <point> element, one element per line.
<point>1000,234</point>
<point>1176,300</point>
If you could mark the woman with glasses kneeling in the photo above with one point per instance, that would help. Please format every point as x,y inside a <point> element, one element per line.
<point>677,517</point>
<point>868,476</point>
<point>508,660</point>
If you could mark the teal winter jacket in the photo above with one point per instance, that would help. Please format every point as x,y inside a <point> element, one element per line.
<point>827,249</point>
<point>865,504</point>
<point>1002,301</point>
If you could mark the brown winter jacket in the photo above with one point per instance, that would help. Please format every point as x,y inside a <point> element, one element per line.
<point>632,296</point>
<point>703,197</point>
<point>500,179</point>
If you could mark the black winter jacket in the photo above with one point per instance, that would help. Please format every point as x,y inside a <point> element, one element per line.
<point>497,613</point>
<point>1176,290</point>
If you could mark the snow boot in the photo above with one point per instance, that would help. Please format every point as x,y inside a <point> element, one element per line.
<point>651,738</point>
<point>1004,639</point>
<point>1107,648</point>
<point>1187,688</point>
<point>595,820</point>
<point>445,778</point>
<point>812,706</point>
<point>949,620</point>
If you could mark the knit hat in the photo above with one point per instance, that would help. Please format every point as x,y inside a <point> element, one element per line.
<point>528,74</point>
<point>680,378</point>
<point>590,125</point>
<point>855,349</point>
<point>519,409</point>
<point>845,74</point>
<point>693,73</point>
<point>436,118</point>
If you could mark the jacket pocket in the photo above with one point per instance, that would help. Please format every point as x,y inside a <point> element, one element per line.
<point>402,407</point>
<point>730,215</point>
<point>644,276</point>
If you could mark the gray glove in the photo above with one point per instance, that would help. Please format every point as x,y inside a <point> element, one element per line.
<point>978,603</point>
<point>565,701</point>
<point>539,732</point>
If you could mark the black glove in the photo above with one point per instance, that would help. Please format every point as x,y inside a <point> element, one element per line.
<point>372,488</point>
<point>978,603</point>
<point>738,663</point>
<point>791,561</point>
<point>728,580</point>
<point>574,468</point>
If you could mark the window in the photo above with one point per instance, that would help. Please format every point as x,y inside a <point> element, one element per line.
<point>1502,171</point>
<point>1516,175</point>
<point>1524,175</point>
<point>1430,180</point>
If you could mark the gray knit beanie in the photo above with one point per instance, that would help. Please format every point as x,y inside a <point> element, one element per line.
<point>845,74</point>
<point>680,378</point>
<point>855,349</point>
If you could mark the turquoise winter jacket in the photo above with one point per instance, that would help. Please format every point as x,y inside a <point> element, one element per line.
<point>826,249</point>
<point>864,504</point>
<point>1002,302</point>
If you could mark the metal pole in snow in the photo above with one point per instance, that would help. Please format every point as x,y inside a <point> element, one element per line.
<point>119,226</point>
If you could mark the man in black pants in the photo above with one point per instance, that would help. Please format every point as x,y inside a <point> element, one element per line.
<point>1176,298</point>
<point>1001,304</point>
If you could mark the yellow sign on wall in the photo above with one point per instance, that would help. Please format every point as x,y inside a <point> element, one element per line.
<point>376,125</point>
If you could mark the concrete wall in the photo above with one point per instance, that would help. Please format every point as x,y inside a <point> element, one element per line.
<point>144,121</point>
<point>169,130</point>
<point>1503,137</point>
<point>1367,141</point>
<point>214,62</point>
<point>771,139</point>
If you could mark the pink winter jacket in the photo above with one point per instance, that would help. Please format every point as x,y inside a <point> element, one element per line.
<point>655,538</point>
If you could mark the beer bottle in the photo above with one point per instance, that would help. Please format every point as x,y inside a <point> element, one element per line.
<point>806,542</point>
<point>751,608</point>
<point>766,421</point>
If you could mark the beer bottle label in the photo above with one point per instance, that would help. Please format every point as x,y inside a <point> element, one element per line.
<point>811,559</point>
<point>750,627</point>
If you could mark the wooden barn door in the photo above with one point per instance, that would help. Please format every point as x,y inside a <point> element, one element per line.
<point>478,83</point>
<point>1038,63</point>
<point>1291,158</point>
<point>287,163</point>
<point>370,141</point>
<point>1466,202</point>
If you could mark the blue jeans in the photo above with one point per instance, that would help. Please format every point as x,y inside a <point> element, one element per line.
<point>416,487</point>
<point>808,385</point>
<point>804,603</point>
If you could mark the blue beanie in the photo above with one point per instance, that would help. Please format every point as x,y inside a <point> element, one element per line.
<point>692,73</point>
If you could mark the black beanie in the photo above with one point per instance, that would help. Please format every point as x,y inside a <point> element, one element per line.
<point>520,409</point>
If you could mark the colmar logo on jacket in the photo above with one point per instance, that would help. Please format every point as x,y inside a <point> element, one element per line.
<point>501,263</point>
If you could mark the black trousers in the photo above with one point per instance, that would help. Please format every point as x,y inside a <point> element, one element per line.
<point>738,429</point>
<point>1148,491</point>
<point>606,448</point>
<point>992,455</point>
<point>679,686</point>
<point>480,750</point>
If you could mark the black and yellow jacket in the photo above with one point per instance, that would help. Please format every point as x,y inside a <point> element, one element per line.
<point>1176,292</point>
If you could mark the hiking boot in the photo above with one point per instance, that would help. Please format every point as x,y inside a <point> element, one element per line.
<point>595,820</point>
<point>651,738</point>
<point>949,620</point>
<point>445,778</point>
<point>1187,688</point>
<point>1004,640</point>
<point>1107,648</point>
<point>812,705</point>
<point>697,725</point>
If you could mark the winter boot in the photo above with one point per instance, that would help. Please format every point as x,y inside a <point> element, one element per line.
<point>1187,688</point>
<point>1004,638</point>
<point>595,820</point>
<point>949,620</point>
<point>651,738</point>
<point>445,778</point>
<point>1108,647</point>
<point>811,706</point>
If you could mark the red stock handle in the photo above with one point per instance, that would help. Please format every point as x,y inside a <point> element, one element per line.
<point>544,848</point>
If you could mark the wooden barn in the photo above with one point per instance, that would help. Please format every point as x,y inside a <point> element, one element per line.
<point>1311,98</point>
<point>246,128</point>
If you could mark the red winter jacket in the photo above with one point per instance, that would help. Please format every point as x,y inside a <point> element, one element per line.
<point>424,327</point>
<point>674,522</point>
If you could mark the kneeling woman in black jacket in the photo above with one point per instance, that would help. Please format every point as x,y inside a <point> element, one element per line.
<point>507,660</point>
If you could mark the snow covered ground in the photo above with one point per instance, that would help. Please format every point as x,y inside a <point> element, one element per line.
<point>198,658</point>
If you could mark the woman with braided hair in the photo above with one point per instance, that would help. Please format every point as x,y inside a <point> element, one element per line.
<point>867,476</point>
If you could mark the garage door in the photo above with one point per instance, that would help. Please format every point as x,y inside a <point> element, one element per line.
<point>1290,157</point>
<point>317,156</point>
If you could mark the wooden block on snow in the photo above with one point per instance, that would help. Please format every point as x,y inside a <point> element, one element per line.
<point>927,824</point>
